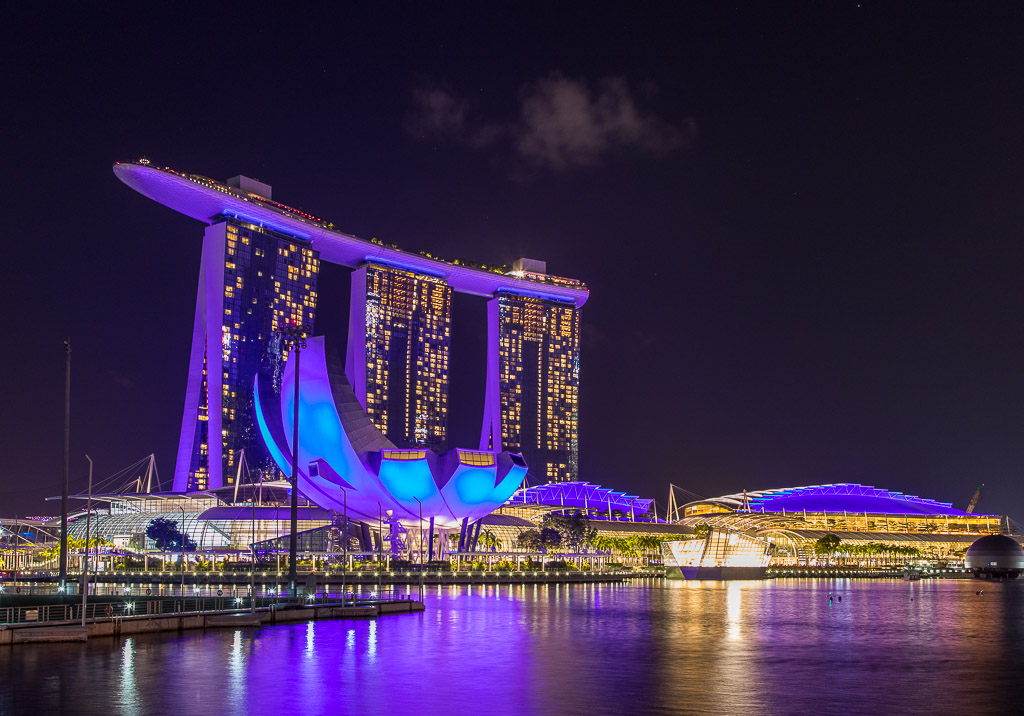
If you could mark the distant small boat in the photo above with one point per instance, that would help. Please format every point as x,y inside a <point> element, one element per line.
<point>910,576</point>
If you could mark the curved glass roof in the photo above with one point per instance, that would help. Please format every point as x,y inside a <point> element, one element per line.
<point>228,529</point>
<point>839,497</point>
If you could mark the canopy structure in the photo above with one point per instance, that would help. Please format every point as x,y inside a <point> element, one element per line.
<point>581,495</point>
<point>842,497</point>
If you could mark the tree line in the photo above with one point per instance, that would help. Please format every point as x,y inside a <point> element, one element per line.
<point>832,545</point>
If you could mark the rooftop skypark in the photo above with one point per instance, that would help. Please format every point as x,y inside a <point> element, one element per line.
<point>207,199</point>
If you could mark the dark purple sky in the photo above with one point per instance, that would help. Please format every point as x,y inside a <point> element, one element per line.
<point>801,225</point>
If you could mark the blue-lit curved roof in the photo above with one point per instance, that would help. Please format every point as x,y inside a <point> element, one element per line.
<point>840,497</point>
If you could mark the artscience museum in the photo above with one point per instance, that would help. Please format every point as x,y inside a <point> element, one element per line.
<point>347,465</point>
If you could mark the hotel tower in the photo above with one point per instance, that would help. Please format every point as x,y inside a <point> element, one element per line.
<point>259,269</point>
<point>251,280</point>
<point>397,357</point>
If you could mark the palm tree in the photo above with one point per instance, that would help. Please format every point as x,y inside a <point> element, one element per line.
<point>827,545</point>
<point>488,539</point>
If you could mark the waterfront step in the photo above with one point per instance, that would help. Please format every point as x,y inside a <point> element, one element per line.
<point>50,634</point>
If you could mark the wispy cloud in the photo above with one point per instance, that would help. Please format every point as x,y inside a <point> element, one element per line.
<point>562,123</point>
<point>438,112</point>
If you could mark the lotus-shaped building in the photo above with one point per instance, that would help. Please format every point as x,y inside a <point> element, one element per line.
<point>345,462</point>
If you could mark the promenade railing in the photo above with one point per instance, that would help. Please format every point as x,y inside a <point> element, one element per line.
<point>126,606</point>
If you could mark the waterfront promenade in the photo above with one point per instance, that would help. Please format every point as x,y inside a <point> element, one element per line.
<point>638,647</point>
<point>271,583</point>
<point>34,618</point>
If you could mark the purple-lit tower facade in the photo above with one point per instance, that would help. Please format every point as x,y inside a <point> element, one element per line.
<point>250,281</point>
<point>531,404</point>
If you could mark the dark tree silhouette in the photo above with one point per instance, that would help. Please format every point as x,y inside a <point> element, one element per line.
<point>530,540</point>
<point>167,536</point>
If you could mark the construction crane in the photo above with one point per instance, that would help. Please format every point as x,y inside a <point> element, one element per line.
<point>975,500</point>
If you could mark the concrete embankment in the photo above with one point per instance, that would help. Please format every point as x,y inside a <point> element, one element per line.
<point>159,583</point>
<point>862,573</point>
<point>125,626</point>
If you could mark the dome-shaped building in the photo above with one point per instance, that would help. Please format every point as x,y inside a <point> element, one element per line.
<point>995,556</point>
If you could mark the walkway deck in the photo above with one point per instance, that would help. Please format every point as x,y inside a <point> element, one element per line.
<point>24,632</point>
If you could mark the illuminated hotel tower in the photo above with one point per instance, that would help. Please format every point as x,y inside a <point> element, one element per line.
<point>532,392</point>
<point>259,268</point>
<point>397,356</point>
<point>250,281</point>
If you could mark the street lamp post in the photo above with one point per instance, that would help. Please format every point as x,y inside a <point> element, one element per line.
<point>294,336</point>
<point>344,542</point>
<point>17,536</point>
<point>88,526</point>
<point>183,538</point>
<point>252,548</point>
<point>64,482</point>
<point>420,531</point>
<point>380,543</point>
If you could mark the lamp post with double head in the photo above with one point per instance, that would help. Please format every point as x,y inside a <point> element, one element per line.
<point>88,529</point>
<point>183,538</point>
<point>294,336</point>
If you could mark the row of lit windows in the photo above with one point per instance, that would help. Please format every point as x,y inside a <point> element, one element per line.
<point>403,454</point>
<point>288,300</point>
<point>397,299</point>
<point>481,459</point>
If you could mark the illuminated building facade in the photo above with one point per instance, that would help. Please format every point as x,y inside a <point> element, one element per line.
<point>721,554</point>
<point>251,281</point>
<point>397,357</point>
<point>532,398</point>
<point>865,518</point>
<point>397,362</point>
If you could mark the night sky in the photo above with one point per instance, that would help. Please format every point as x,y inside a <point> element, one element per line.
<point>800,224</point>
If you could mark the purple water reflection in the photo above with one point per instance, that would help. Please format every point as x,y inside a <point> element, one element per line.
<point>773,647</point>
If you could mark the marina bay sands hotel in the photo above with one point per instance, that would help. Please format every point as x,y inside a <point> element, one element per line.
<point>260,269</point>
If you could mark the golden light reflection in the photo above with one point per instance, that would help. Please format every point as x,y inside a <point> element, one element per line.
<point>127,691</point>
<point>733,609</point>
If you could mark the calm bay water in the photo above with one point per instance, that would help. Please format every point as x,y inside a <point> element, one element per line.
<point>772,647</point>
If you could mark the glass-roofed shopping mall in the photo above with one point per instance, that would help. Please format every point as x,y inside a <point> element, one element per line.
<point>229,520</point>
<point>794,518</point>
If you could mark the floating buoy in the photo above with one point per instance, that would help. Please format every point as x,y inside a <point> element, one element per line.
<point>108,610</point>
<point>220,592</point>
<point>17,590</point>
<point>149,591</point>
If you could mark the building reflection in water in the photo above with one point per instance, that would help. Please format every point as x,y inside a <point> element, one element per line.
<point>237,674</point>
<point>774,647</point>
<point>127,688</point>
